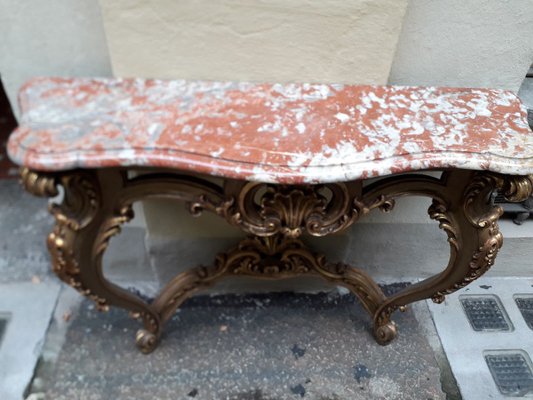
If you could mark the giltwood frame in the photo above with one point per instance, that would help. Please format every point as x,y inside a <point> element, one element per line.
<point>97,202</point>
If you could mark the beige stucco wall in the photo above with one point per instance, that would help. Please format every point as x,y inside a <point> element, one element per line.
<point>258,40</point>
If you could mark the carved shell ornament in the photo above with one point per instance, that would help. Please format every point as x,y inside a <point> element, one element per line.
<point>265,209</point>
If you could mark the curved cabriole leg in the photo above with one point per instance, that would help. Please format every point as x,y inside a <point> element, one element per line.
<point>461,204</point>
<point>86,219</point>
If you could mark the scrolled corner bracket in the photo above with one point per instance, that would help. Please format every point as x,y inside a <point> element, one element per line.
<point>382,202</point>
<point>80,202</point>
<point>476,204</point>
<point>517,188</point>
<point>196,208</point>
<point>218,205</point>
<point>439,212</point>
<point>112,227</point>
<point>39,184</point>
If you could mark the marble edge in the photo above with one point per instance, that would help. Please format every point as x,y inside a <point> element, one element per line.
<point>281,174</point>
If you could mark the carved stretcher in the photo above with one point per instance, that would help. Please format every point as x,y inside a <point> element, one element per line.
<point>293,159</point>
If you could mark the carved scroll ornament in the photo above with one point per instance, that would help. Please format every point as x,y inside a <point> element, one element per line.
<point>96,203</point>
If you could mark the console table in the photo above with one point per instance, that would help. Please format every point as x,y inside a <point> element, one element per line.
<point>292,160</point>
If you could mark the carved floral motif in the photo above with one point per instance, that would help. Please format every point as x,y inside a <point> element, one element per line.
<point>272,257</point>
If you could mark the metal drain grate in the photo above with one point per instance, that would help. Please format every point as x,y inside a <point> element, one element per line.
<point>511,372</point>
<point>525,305</point>
<point>485,313</point>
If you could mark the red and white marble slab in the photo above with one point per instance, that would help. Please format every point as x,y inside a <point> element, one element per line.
<point>290,133</point>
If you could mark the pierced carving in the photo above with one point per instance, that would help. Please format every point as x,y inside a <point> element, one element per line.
<point>95,205</point>
<point>290,209</point>
<point>271,257</point>
<point>79,206</point>
<point>516,188</point>
<point>265,210</point>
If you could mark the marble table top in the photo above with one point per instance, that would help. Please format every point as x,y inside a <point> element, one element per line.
<point>280,133</point>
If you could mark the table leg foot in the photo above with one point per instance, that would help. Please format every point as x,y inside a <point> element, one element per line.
<point>146,341</point>
<point>385,333</point>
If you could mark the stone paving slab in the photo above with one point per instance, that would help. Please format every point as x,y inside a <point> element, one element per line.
<point>468,352</point>
<point>260,347</point>
<point>27,309</point>
<point>24,226</point>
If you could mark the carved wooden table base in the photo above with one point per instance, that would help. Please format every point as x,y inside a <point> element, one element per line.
<point>96,203</point>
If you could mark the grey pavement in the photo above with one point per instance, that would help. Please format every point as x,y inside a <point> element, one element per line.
<point>271,346</point>
<point>26,309</point>
<point>24,224</point>
<point>28,291</point>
